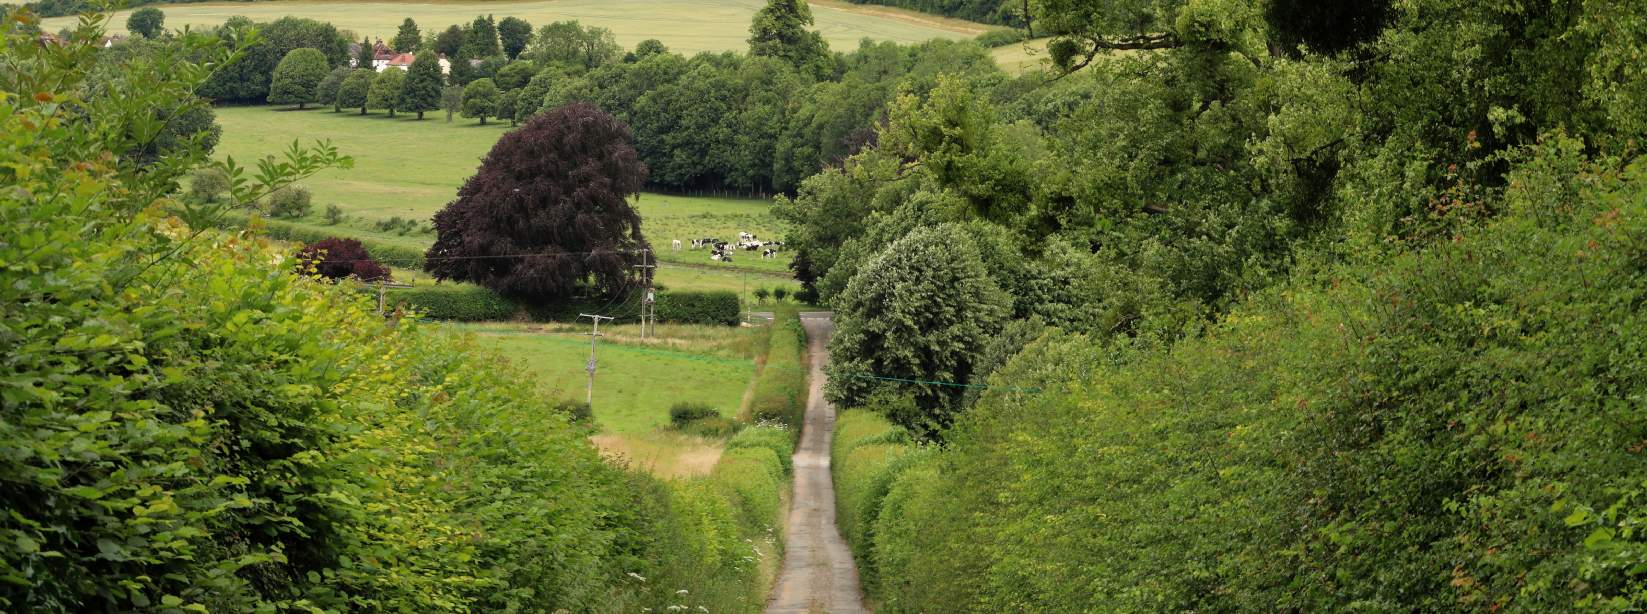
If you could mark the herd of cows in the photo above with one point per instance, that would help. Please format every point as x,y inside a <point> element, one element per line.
<point>721,251</point>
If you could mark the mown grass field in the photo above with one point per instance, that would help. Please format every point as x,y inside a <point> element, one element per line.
<point>686,26</point>
<point>409,169</point>
<point>636,382</point>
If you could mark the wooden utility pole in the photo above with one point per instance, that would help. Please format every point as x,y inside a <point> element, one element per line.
<point>648,312</point>
<point>589,393</point>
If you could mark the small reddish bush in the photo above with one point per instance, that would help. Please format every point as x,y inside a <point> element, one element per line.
<point>340,258</point>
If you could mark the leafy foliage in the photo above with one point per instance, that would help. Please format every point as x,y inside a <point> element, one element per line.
<point>337,258</point>
<point>480,99</point>
<point>386,90</point>
<point>247,77</point>
<point>297,78</point>
<point>779,392</point>
<point>423,84</point>
<point>779,31</point>
<point>918,311</point>
<point>355,90</point>
<point>289,202</point>
<point>548,210</point>
<point>326,91</point>
<point>407,38</point>
<point>707,307</point>
<point>148,22</point>
<point>514,34</point>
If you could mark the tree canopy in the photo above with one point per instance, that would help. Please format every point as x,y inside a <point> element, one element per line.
<point>480,99</point>
<point>386,89</point>
<point>354,91</point>
<point>297,79</point>
<point>514,34</point>
<point>780,30</point>
<point>407,38</point>
<point>421,92</point>
<point>148,22</point>
<point>547,214</point>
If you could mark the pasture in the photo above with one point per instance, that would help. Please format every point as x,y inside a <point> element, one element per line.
<point>636,383</point>
<point>409,169</point>
<point>686,26</point>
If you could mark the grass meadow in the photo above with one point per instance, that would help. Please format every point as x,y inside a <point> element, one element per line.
<point>686,26</point>
<point>409,169</point>
<point>636,383</point>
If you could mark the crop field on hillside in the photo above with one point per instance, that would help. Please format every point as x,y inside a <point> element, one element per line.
<point>409,169</point>
<point>686,26</point>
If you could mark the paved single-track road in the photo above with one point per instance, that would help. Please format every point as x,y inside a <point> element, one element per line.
<point>818,574</point>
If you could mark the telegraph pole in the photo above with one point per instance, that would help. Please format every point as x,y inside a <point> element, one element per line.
<point>649,312</point>
<point>589,393</point>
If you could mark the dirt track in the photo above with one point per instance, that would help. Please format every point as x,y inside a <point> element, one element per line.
<point>818,573</point>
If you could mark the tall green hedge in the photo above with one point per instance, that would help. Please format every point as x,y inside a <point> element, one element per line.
<point>1451,428</point>
<point>711,307</point>
<point>454,302</point>
<point>780,387</point>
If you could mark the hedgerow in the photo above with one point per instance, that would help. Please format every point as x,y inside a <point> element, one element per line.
<point>780,386</point>
<point>455,302</point>
<point>189,426</point>
<point>1448,428</point>
<point>865,456</point>
<point>774,438</point>
<point>709,307</point>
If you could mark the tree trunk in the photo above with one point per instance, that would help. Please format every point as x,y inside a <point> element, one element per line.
<point>483,120</point>
<point>420,116</point>
<point>300,106</point>
<point>362,109</point>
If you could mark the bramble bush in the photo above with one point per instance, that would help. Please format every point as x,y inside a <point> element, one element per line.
<point>685,412</point>
<point>290,202</point>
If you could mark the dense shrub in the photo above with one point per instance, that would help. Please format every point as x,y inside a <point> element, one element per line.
<point>1436,430</point>
<point>579,412</point>
<point>682,413</point>
<point>780,387</point>
<point>339,259</point>
<point>207,184</point>
<point>707,307</point>
<point>772,437</point>
<point>457,302</point>
<point>865,456</point>
<point>1001,38</point>
<point>191,429</point>
<point>290,202</point>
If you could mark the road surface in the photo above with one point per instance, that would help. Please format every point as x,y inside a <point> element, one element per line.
<point>818,574</point>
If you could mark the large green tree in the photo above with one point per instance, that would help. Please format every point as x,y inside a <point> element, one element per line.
<point>149,22</point>
<point>354,90</point>
<point>298,77</point>
<point>548,213</point>
<point>514,34</point>
<point>326,92</point>
<point>247,77</point>
<point>407,38</point>
<point>386,89</point>
<point>423,83</point>
<point>780,30</point>
<point>514,75</point>
<point>480,99</point>
<point>449,42</point>
<point>480,39</point>
<point>919,311</point>
<point>574,46</point>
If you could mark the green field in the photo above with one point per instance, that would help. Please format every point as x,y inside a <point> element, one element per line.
<point>410,169</point>
<point>686,26</point>
<point>635,383</point>
<point>1019,58</point>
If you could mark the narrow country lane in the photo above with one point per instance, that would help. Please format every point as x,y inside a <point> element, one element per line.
<point>818,573</point>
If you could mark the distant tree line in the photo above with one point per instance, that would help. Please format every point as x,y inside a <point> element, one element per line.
<point>1001,12</point>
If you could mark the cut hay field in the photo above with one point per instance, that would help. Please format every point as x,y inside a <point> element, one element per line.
<point>686,26</point>
<point>409,169</point>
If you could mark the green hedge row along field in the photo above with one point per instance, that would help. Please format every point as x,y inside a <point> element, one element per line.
<point>1454,428</point>
<point>865,455</point>
<point>192,427</point>
<point>780,387</point>
<point>725,521</point>
<point>471,303</point>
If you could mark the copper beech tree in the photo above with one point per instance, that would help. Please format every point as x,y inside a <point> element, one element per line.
<point>548,213</point>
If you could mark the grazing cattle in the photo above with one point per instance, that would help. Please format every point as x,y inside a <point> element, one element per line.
<point>677,244</point>
<point>769,253</point>
<point>746,236</point>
